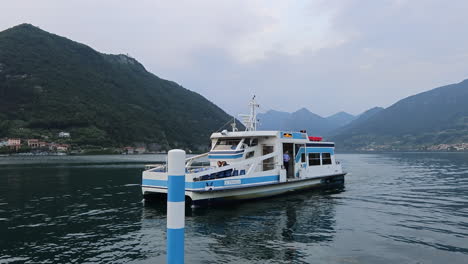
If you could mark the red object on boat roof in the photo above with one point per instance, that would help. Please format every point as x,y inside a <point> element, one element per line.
<point>315,138</point>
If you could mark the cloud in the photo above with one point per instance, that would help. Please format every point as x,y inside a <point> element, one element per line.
<point>325,55</point>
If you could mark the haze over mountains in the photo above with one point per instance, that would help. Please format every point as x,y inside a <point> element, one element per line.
<point>303,119</point>
<point>418,122</point>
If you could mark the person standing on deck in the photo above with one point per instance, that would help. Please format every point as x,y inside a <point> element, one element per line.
<point>286,159</point>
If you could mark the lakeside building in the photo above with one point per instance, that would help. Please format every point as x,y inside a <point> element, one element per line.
<point>450,147</point>
<point>64,134</point>
<point>129,150</point>
<point>59,147</point>
<point>140,150</point>
<point>14,143</point>
<point>33,143</point>
<point>63,147</point>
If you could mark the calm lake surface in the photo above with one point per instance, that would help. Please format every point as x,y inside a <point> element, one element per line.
<point>395,208</point>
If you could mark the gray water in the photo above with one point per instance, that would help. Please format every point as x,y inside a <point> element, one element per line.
<point>395,208</point>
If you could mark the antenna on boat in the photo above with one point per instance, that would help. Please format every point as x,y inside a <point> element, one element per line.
<point>233,125</point>
<point>251,121</point>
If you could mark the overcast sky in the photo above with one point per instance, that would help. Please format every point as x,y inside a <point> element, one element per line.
<point>327,56</point>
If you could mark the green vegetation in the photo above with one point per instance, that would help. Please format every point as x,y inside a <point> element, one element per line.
<point>50,84</point>
<point>418,122</point>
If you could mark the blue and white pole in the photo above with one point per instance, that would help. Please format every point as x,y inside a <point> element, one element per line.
<point>175,206</point>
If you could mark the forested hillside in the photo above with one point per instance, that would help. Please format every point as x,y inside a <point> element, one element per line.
<point>49,84</point>
<point>418,122</point>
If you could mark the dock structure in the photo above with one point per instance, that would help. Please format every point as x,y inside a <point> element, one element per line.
<point>175,206</point>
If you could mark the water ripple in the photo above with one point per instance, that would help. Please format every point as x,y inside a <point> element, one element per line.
<point>402,207</point>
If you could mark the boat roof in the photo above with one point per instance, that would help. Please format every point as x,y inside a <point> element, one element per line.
<point>263,133</point>
<point>257,133</point>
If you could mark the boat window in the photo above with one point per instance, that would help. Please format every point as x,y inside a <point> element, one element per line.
<point>251,142</point>
<point>303,157</point>
<point>227,143</point>
<point>314,159</point>
<point>297,148</point>
<point>268,164</point>
<point>249,155</point>
<point>254,142</point>
<point>267,149</point>
<point>326,158</point>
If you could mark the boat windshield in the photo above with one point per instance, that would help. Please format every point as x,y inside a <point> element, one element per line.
<point>227,144</point>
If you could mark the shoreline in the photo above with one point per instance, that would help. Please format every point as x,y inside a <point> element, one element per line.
<point>27,154</point>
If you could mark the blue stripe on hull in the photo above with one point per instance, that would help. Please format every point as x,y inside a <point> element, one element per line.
<point>214,183</point>
<point>326,183</point>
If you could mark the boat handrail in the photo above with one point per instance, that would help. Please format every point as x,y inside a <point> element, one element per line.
<point>188,161</point>
<point>152,166</point>
<point>248,162</point>
<point>201,166</point>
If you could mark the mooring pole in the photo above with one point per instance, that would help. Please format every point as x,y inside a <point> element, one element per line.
<point>175,206</point>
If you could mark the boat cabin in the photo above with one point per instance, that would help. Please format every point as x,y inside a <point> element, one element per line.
<point>305,153</point>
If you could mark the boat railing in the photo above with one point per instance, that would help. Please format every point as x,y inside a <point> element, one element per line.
<point>189,161</point>
<point>250,165</point>
<point>156,167</point>
<point>196,169</point>
<point>188,164</point>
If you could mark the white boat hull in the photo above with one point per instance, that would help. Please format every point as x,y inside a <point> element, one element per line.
<point>207,197</point>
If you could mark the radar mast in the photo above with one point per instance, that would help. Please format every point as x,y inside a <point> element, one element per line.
<point>250,121</point>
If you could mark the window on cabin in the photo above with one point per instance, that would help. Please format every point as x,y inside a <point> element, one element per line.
<point>303,157</point>
<point>254,142</point>
<point>314,159</point>
<point>296,149</point>
<point>268,164</point>
<point>249,155</point>
<point>326,159</point>
<point>227,143</point>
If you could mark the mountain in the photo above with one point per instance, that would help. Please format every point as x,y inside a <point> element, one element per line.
<point>438,116</point>
<point>49,84</point>
<point>272,120</point>
<point>302,119</point>
<point>357,120</point>
<point>341,118</point>
<point>367,114</point>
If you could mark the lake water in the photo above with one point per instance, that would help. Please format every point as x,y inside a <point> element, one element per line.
<point>395,208</point>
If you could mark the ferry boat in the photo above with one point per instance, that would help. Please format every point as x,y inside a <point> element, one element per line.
<point>250,164</point>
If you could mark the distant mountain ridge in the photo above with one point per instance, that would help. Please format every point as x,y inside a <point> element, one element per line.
<point>49,83</point>
<point>341,119</point>
<point>418,122</point>
<point>303,119</point>
<point>359,119</point>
